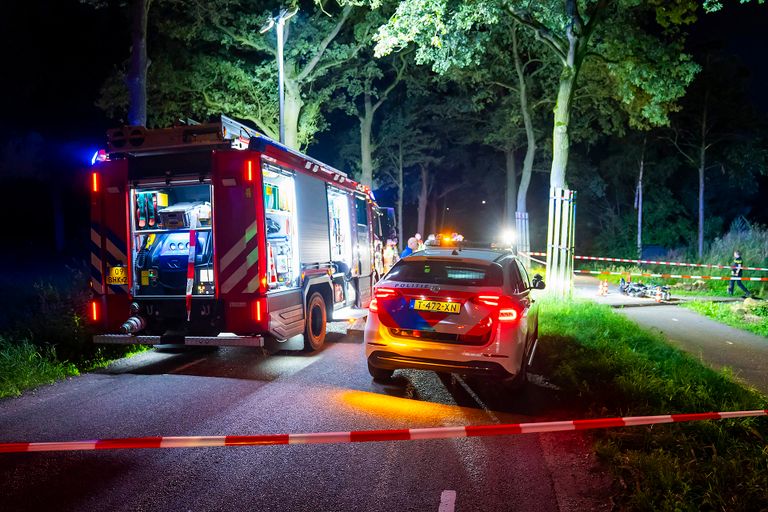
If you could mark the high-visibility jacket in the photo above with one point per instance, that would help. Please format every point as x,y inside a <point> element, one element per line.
<point>736,266</point>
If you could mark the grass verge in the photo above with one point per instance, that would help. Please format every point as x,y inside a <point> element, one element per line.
<point>607,366</point>
<point>723,312</point>
<point>43,333</point>
<point>24,366</point>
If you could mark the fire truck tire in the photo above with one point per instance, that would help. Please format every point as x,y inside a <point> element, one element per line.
<point>314,329</point>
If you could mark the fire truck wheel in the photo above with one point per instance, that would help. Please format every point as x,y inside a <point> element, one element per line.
<point>314,330</point>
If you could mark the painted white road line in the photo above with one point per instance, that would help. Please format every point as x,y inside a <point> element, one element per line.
<point>447,501</point>
<point>184,367</point>
<point>675,320</point>
<point>729,342</point>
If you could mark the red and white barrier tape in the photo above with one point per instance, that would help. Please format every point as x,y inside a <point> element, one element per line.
<point>651,262</point>
<point>364,436</point>
<point>668,276</point>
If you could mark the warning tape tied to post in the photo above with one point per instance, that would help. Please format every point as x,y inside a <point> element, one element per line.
<point>652,262</point>
<point>365,436</point>
<point>668,276</point>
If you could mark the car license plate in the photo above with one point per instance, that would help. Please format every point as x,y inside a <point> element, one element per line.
<point>436,306</point>
<point>117,276</point>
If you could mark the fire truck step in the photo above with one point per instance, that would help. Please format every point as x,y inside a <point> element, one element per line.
<point>348,313</point>
<point>223,340</point>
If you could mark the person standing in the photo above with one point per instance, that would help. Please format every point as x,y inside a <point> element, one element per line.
<point>413,246</point>
<point>420,244</point>
<point>390,255</point>
<point>737,267</point>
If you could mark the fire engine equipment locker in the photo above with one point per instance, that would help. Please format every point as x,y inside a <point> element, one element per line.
<point>312,207</point>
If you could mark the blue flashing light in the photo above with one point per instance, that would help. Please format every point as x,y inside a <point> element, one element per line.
<point>94,157</point>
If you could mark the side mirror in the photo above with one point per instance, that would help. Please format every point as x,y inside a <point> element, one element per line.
<point>538,282</point>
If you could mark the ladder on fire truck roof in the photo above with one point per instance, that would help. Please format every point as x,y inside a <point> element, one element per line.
<point>225,132</point>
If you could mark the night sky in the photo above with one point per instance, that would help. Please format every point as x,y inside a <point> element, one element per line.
<point>56,54</point>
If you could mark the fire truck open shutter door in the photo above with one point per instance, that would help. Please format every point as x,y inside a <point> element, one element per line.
<point>362,250</point>
<point>109,227</point>
<point>239,245</point>
<point>313,220</point>
<point>285,301</point>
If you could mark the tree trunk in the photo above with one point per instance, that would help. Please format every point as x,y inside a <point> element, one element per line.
<point>521,214</point>
<point>400,187</point>
<point>511,193</point>
<point>560,139</point>
<point>423,200</point>
<point>702,167</point>
<point>702,163</point>
<point>366,145</point>
<point>639,205</point>
<point>136,81</point>
<point>432,218</point>
<point>530,135</point>
<point>560,230</point>
<point>293,106</point>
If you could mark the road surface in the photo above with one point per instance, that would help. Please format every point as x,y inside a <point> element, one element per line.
<point>241,391</point>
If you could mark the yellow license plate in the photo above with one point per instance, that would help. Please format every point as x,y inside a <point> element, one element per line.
<point>117,276</point>
<point>436,306</point>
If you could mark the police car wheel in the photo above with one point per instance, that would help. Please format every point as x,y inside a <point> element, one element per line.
<point>380,374</point>
<point>314,329</point>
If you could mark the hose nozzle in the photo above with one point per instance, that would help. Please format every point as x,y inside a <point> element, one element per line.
<point>133,325</point>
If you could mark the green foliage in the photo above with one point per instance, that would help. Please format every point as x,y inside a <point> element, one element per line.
<point>210,58</point>
<point>608,366</point>
<point>750,240</point>
<point>49,314</point>
<point>24,366</point>
<point>752,319</point>
<point>647,73</point>
<point>716,5</point>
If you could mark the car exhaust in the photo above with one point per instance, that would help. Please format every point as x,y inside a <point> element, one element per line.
<point>133,325</point>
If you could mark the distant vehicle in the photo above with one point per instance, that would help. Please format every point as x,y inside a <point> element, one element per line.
<point>457,310</point>
<point>214,234</point>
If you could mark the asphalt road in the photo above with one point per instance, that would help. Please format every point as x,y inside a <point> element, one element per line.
<point>242,391</point>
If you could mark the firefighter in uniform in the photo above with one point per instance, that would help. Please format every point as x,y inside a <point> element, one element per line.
<point>736,271</point>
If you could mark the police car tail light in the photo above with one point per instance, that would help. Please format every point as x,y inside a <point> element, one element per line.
<point>487,300</point>
<point>385,293</point>
<point>373,307</point>
<point>508,315</point>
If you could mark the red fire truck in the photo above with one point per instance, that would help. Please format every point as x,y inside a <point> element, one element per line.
<point>213,234</point>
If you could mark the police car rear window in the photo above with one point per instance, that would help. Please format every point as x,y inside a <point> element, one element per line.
<point>446,272</point>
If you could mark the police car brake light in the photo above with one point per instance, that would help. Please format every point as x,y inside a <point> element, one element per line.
<point>508,315</point>
<point>385,293</point>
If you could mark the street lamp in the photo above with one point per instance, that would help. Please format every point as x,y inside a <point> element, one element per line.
<point>279,21</point>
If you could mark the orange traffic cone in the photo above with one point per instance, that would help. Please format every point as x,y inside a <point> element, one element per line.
<point>272,268</point>
<point>602,290</point>
<point>658,294</point>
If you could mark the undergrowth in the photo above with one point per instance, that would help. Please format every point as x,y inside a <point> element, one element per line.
<point>24,366</point>
<point>43,331</point>
<point>754,320</point>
